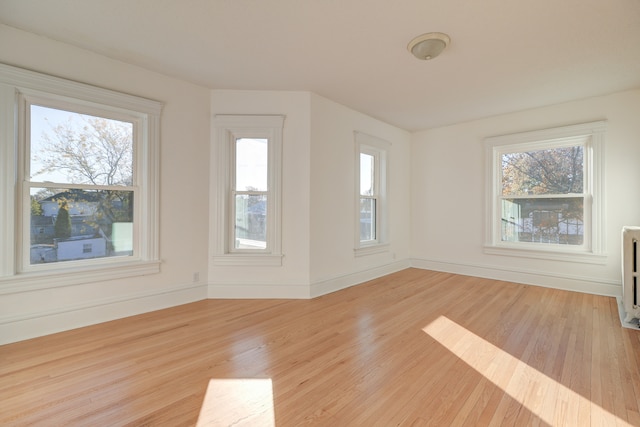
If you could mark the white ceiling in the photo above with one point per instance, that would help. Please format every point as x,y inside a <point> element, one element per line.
<point>504,55</point>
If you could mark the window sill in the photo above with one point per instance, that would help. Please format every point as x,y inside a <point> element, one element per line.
<point>269,260</point>
<point>23,282</point>
<point>548,254</point>
<point>371,249</point>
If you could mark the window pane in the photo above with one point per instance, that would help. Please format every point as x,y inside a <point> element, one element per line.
<point>552,220</point>
<point>251,221</point>
<point>367,173</point>
<point>552,171</point>
<point>367,219</point>
<point>73,148</point>
<point>72,224</point>
<point>251,164</point>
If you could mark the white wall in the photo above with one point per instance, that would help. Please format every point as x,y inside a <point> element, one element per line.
<point>333,193</point>
<point>448,194</point>
<point>318,199</point>
<point>184,181</point>
<point>291,279</point>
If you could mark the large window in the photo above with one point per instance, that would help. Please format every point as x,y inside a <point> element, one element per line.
<point>80,182</point>
<point>546,192</point>
<point>79,177</point>
<point>371,194</point>
<point>249,151</point>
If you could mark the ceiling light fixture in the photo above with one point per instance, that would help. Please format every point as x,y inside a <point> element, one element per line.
<point>428,46</point>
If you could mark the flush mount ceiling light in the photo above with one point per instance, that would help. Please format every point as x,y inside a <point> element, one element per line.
<point>428,46</point>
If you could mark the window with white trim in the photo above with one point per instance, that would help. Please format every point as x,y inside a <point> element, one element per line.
<point>79,185</point>
<point>546,193</point>
<point>249,149</point>
<point>371,194</point>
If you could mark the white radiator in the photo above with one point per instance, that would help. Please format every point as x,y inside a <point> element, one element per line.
<point>630,276</point>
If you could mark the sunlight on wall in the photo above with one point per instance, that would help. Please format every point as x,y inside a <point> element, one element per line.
<point>543,396</point>
<point>238,402</point>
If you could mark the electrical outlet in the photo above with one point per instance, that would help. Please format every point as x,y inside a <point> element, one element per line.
<point>196,277</point>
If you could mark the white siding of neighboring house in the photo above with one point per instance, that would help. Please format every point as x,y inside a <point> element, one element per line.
<point>82,249</point>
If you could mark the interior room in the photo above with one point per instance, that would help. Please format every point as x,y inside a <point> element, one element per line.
<point>331,213</point>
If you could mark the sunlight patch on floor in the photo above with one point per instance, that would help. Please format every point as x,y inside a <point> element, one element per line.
<point>238,402</point>
<point>552,402</point>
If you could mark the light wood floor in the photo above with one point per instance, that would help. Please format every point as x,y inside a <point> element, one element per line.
<point>413,348</point>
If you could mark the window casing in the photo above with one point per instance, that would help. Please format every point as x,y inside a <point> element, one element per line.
<point>371,166</point>
<point>86,249</point>
<point>249,155</point>
<point>545,194</point>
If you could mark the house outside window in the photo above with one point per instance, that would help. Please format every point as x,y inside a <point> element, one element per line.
<point>546,193</point>
<point>82,174</point>
<point>249,156</point>
<point>372,235</point>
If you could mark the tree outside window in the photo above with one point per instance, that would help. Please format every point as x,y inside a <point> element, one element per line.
<point>543,196</point>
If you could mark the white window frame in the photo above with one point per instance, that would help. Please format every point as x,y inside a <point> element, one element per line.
<point>228,128</point>
<point>17,87</point>
<point>591,136</point>
<point>379,150</point>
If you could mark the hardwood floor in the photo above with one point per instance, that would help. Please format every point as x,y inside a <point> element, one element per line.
<point>413,348</point>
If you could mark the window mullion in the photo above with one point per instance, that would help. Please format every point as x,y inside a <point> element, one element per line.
<point>545,196</point>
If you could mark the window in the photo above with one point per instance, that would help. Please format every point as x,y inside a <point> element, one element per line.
<point>249,152</point>
<point>371,194</point>
<point>80,182</point>
<point>546,193</point>
<point>250,194</point>
<point>79,177</point>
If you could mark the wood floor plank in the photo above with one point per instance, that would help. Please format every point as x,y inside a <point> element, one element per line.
<point>415,348</point>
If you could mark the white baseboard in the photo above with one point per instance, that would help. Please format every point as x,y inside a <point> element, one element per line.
<point>528,277</point>
<point>333,284</point>
<point>35,324</point>
<point>257,291</point>
<point>302,291</point>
